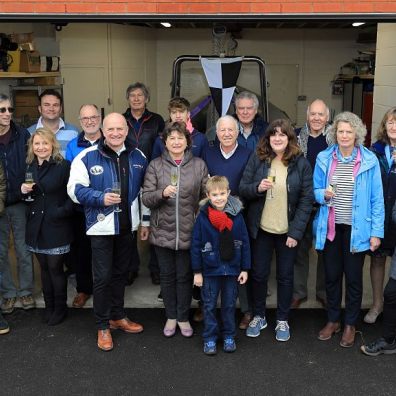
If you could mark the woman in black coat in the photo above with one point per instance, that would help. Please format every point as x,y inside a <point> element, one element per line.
<point>48,228</point>
<point>279,209</point>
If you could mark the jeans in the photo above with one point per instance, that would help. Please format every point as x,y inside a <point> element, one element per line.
<point>110,260</point>
<point>263,247</point>
<point>338,260</point>
<point>389,313</point>
<point>14,218</point>
<point>176,282</point>
<point>301,267</point>
<point>212,286</point>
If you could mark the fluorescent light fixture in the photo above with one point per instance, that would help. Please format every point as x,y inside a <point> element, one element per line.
<point>357,24</point>
<point>166,24</point>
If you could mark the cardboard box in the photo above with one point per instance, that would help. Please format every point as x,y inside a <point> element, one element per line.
<point>16,61</point>
<point>30,62</point>
<point>26,99</point>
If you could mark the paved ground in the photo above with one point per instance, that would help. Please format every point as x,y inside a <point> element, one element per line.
<point>64,360</point>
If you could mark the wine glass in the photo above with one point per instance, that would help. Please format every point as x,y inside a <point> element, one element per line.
<point>272,178</point>
<point>332,188</point>
<point>29,181</point>
<point>174,178</point>
<point>116,189</point>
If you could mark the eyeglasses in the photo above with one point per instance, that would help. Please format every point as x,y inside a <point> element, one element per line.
<point>388,123</point>
<point>85,120</point>
<point>4,109</point>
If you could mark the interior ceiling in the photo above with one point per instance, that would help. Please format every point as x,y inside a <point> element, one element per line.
<point>269,24</point>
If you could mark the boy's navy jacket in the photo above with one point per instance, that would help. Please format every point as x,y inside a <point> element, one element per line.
<point>205,253</point>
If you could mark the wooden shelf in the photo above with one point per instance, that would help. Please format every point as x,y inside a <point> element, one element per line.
<point>28,75</point>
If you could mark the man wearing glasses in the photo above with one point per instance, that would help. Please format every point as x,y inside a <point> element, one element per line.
<point>50,108</point>
<point>13,143</point>
<point>90,121</point>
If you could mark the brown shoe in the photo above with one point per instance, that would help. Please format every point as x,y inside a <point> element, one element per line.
<point>246,319</point>
<point>80,300</point>
<point>296,302</point>
<point>126,325</point>
<point>198,315</point>
<point>329,330</point>
<point>348,336</point>
<point>105,342</point>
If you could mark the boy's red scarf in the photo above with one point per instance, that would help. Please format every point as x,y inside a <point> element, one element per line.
<point>219,220</point>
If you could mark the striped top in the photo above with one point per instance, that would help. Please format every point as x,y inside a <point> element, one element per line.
<point>344,181</point>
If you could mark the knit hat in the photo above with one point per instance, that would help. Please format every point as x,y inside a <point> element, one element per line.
<point>223,224</point>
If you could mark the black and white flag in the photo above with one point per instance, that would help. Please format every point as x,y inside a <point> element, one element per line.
<point>222,75</point>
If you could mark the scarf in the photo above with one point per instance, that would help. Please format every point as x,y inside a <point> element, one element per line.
<point>219,220</point>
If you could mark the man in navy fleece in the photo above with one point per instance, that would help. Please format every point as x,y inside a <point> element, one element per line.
<point>228,158</point>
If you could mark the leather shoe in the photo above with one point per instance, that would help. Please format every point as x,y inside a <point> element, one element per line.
<point>105,341</point>
<point>329,330</point>
<point>246,319</point>
<point>198,315</point>
<point>126,325</point>
<point>296,302</point>
<point>185,329</point>
<point>80,300</point>
<point>348,336</point>
<point>131,277</point>
<point>170,328</point>
<point>155,278</point>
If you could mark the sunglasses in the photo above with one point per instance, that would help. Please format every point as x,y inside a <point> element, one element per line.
<point>4,109</point>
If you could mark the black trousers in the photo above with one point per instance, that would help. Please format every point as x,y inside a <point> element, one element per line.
<point>110,261</point>
<point>82,254</point>
<point>338,260</point>
<point>389,313</point>
<point>176,282</point>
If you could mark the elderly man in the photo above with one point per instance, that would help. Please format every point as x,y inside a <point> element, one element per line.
<point>13,143</point>
<point>251,125</point>
<point>90,121</point>
<point>312,139</point>
<point>50,109</point>
<point>106,180</point>
<point>229,158</point>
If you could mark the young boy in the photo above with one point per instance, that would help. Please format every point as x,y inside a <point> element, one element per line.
<point>220,257</point>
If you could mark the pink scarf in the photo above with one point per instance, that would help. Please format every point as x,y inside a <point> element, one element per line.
<point>331,219</point>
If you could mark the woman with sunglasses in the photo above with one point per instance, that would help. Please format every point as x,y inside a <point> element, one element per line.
<point>49,228</point>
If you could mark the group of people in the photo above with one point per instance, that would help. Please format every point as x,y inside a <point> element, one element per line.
<point>213,212</point>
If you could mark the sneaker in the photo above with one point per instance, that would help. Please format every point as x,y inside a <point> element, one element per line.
<point>8,305</point>
<point>282,330</point>
<point>379,347</point>
<point>229,345</point>
<point>4,328</point>
<point>210,348</point>
<point>255,326</point>
<point>159,297</point>
<point>27,302</point>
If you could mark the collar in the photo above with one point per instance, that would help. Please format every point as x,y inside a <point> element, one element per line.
<point>40,124</point>
<point>231,153</point>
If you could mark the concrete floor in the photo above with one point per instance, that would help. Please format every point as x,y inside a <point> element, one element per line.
<point>143,294</point>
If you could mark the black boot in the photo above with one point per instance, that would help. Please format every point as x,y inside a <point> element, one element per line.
<point>60,312</point>
<point>49,306</point>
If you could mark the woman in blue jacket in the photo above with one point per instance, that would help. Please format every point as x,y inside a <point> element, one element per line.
<point>383,148</point>
<point>347,185</point>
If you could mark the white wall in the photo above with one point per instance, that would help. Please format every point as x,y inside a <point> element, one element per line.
<point>319,55</point>
<point>385,72</point>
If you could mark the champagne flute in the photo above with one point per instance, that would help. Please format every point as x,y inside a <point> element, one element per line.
<point>332,188</point>
<point>116,189</point>
<point>272,178</point>
<point>174,178</point>
<point>29,181</point>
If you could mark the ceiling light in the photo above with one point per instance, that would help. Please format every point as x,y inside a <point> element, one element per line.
<point>357,24</point>
<point>166,24</point>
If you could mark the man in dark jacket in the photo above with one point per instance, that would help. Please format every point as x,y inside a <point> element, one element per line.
<point>13,140</point>
<point>251,125</point>
<point>312,139</point>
